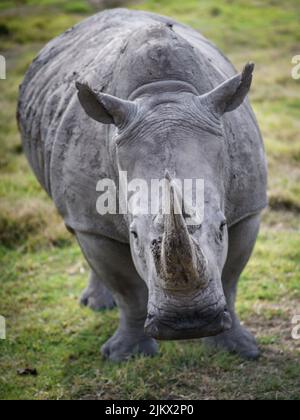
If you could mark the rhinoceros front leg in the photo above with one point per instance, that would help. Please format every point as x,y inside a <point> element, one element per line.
<point>96,296</point>
<point>112,262</point>
<point>242,238</point>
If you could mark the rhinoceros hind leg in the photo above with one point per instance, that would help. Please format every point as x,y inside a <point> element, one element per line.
<point>239,340</point>
<point>112,262</point>
<point>96,296</point>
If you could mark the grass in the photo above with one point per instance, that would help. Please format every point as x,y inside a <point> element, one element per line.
<point>43,272</point>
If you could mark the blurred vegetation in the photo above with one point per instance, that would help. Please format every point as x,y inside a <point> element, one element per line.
<point>43,272</point>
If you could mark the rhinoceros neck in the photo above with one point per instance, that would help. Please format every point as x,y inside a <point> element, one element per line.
<point>163,86</point>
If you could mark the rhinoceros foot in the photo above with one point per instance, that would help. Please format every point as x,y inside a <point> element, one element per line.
<point>238,341</point>
<point>123,346</point>
<point>97,297</point>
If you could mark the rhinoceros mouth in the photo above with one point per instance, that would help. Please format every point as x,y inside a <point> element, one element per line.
<point>187,326</point>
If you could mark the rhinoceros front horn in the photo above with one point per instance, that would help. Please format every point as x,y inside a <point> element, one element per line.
<point>183,264</point>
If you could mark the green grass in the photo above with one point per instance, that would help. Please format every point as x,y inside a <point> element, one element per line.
<point>43,272</point>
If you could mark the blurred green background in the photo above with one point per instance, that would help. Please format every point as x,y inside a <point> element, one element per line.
<point>42,270</point>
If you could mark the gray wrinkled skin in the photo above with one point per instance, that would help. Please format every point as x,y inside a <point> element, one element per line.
<point>141,93</point>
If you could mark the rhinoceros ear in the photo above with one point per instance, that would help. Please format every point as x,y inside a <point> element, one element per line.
<point>232,93</point>
<point>104,108</point>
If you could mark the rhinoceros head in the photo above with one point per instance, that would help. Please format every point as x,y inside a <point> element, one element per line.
<point>169,127</point>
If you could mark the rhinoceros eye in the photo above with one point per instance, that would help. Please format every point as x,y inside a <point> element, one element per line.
<point>134,234</point>
<point>223,226</point>
<point>222,230</point>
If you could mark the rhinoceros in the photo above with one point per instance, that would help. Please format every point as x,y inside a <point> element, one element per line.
<point>140,93</point>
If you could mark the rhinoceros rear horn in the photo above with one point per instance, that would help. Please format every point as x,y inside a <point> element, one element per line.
<point>104,108</point>
<point>232,93</point>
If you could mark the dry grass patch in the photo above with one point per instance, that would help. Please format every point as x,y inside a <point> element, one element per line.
<point>31,223</point>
